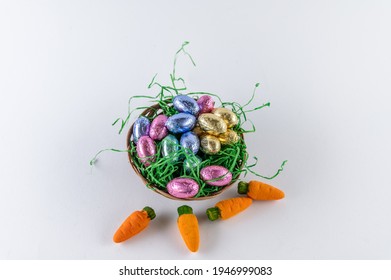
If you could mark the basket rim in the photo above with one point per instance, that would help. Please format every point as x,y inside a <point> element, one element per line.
<point>149,112</point>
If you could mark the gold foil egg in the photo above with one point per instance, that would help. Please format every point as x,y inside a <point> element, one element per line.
<point>198,131</point>
<point>212,124</point>
<point>227,115</point>
<point>209,144</point>
<point>229,137</point>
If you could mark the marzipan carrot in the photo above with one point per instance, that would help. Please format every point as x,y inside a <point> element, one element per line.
<point>260,191</point>
<point>135,223</point>
<point>188,227</point>
<point>227,208</point>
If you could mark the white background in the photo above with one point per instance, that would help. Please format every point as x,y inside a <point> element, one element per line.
<point>67,69</point>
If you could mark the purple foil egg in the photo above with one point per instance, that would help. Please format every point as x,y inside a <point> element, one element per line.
<point>190,140</point>
<point>206,104</point>
<point>146,150</point>
<point>180,123</point>
<point>186,104</point>
<point>210,173</point>
<point>140,128</point>
<point>158,129</point>
<point>182,187</point>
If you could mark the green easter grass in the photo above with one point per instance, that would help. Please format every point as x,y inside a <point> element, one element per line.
<point>164,169</point>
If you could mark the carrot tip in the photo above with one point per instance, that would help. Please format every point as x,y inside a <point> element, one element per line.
<point>213,213</point>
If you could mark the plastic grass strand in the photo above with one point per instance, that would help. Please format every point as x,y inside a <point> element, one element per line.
<point>95,158</point>
<point>164,169</point>
<point>271,177</point>
<point>173,75</point>
<point>259,107</point>
<point>253,95</point>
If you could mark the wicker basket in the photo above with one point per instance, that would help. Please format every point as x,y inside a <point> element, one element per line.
<point>149,112</point>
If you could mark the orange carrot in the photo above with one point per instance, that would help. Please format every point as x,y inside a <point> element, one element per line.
<point>135,223</point>
<point>188,227</point>
<point>227,208</point>
<point>260,191</point>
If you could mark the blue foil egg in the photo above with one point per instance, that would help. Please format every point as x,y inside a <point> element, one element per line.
<point>191,163</point>
<point>186,104</point>
<point>140,128</point>
<point>190,140</point>
<point>180,123</point>
<point>169,146</point>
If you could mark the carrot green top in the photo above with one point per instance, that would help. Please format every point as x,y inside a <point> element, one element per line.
<point>150,212</point>
<point>184,209</point>
<point>213,213</point>
<point>242,187</point>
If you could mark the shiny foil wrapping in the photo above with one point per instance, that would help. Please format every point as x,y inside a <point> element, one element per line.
<point>169,146</point>
<point>182,187</point>
<point>227,115</point>
<point>209,144</point>
<point>186,104</point>
<point>180,123</point>
<point>140,128</point>
<point>212,124</point>
<point>210,175</point>
<point>191,163</point>
<point>229,137</point>
<point>190,140</point>
<point>146,150</point>
<point>158,129</point>
<point>198,131</point>
<point>206,104</point>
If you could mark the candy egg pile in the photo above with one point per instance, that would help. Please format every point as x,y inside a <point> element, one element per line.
<point>197,130</point>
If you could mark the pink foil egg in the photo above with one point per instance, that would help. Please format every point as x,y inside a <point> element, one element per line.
<point>206,104</point>
<point>158,129</point>
<point>146,150</point>
<point>210,173</point>
<point>182,187</point>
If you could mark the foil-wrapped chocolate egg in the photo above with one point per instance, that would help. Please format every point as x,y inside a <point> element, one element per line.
<point>210,144</point>
<point>186,104</point>
<point>158,129</point>
<point>169,146</point>
<point>191,163</point>
<point>198,131</point>
<point>206,104</point>
<point>230,118</point>
<point>182,187</point>
<point>212,124</point>
<point>140,128</point>
<point>146,150</point>
<point>216,175</point>
<point>229,137</point>
<point>190,140</point>
<point>180,123</point>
